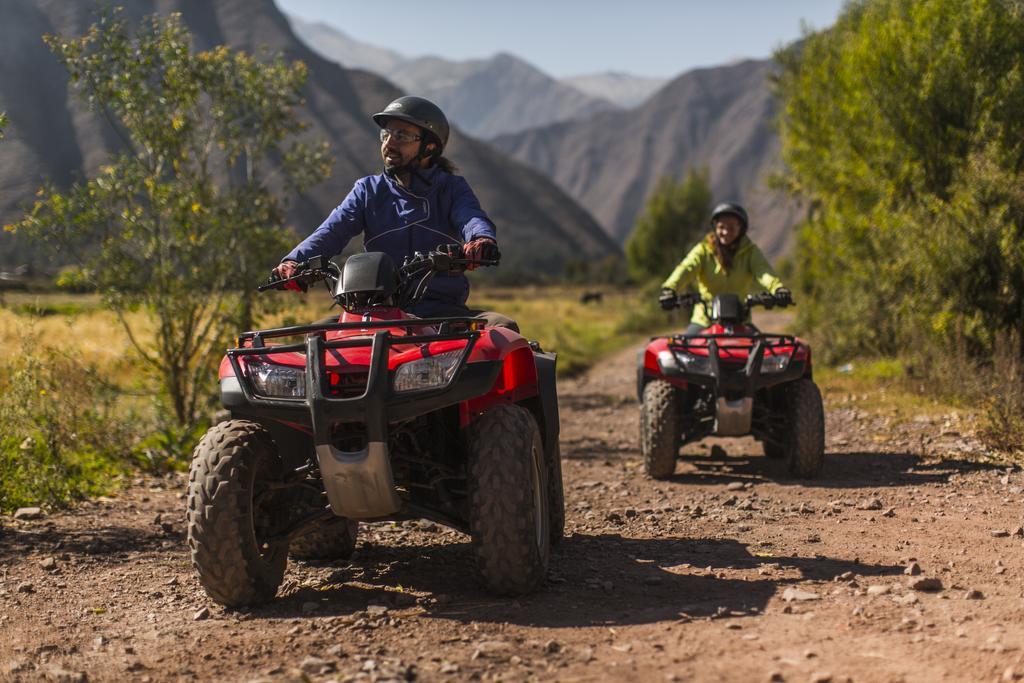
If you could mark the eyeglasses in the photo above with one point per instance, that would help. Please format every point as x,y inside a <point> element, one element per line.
<point>399,135</point>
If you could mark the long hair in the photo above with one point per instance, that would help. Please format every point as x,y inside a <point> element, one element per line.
<point>445,164</point>
<point>442,162</point>
<point>725,254</point>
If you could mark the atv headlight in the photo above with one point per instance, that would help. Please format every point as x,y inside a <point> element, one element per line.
<point>280,381</point>
<point>427,373</point>
<point>772,363</point>
<point>667,361</point>
<point>692,363</point>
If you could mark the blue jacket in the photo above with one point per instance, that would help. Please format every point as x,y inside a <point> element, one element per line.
<point>438,208</point>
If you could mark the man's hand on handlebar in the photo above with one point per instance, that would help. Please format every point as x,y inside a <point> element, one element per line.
<point>285,270</point>
<point>783,297</point>
<point>480,251</point>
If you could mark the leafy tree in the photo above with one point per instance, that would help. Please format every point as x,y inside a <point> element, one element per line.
<point>188,216</point>
<point>901,124</point>
<point>673,219</point>
<point>3,123</point>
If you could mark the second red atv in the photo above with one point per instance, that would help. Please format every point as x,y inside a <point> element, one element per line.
<point>730,380</point>
<point>378,416</point>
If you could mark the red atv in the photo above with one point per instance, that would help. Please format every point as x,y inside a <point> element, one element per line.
<point>730,380</point>
<point>378,416</point>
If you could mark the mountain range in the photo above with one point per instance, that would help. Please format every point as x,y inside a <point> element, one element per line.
<point>486,97</point>
<point>619,88</point>
<point>53,135</point>
<point>719,118</point>
<point>608,157</point>
<point>625,90</point>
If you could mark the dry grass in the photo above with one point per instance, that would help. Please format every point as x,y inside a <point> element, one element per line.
<point>880,387</point>
<point>554,316</point>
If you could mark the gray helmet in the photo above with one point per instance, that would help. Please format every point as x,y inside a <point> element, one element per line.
<point>419,112</point>
<point>734,209</point>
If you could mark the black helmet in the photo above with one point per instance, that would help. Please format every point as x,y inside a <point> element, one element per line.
<point>419,112</point>
<point>734,209</point>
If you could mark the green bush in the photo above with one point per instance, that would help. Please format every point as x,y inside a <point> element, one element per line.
<point>901,125</point>
<point>41,310</point>
<point>62,437</point>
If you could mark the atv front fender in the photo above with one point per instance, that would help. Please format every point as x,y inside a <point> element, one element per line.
<point>548,399</point>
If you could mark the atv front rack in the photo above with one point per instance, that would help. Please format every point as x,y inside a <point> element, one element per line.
<point>359,484</point>
<point>738,380</point>
<point>377,403</point>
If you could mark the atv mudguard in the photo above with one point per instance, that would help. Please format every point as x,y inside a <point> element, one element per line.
<point>647,367</point>
<point>548,399</point>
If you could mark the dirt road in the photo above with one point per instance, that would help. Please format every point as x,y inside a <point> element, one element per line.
<point>894,566</point>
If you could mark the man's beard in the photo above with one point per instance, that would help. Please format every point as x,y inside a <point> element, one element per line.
<point>392,169</point>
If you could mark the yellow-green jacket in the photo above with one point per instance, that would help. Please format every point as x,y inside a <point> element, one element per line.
<point>750,274</point>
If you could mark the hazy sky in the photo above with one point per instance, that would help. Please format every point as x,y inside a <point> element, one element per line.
<point>572,37</point>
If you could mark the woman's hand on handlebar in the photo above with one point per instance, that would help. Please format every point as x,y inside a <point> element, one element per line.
<point>668,299</point>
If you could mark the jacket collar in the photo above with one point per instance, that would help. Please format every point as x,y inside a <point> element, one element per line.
<point>421,183</point>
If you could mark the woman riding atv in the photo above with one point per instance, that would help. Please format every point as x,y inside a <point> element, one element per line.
<point>726,262</point>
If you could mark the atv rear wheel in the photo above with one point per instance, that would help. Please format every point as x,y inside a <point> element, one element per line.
<point>333,539</point>
<point>660,429</point>
<point>805,429</point>
<point>509,513</point>
<point>232,514</point>
<point>556,496</point>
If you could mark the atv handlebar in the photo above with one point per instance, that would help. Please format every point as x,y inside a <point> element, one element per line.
<point>306,273</point>
<point>769,300</point>
<point>684,300</point>
<point>445,258</point>
<point>766,299</point>
<point>421,267</point>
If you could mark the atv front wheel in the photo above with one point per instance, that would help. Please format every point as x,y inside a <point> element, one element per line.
<point>660,429</point>
<point>509,515</point>
<point>805,429</point>
<point>232,513</point>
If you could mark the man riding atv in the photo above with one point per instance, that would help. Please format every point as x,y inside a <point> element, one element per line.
<point>416,204</point>
<point>406,405</point>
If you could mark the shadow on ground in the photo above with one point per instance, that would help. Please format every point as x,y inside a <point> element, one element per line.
<point>101,542</point>
<point>592,401</point>
<point>594,580</point>
<point>853,469</point>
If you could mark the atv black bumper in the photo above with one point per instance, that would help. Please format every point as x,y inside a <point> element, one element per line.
<point>735,382</point>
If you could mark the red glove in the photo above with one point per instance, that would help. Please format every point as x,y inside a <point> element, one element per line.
<point>480,249</point>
